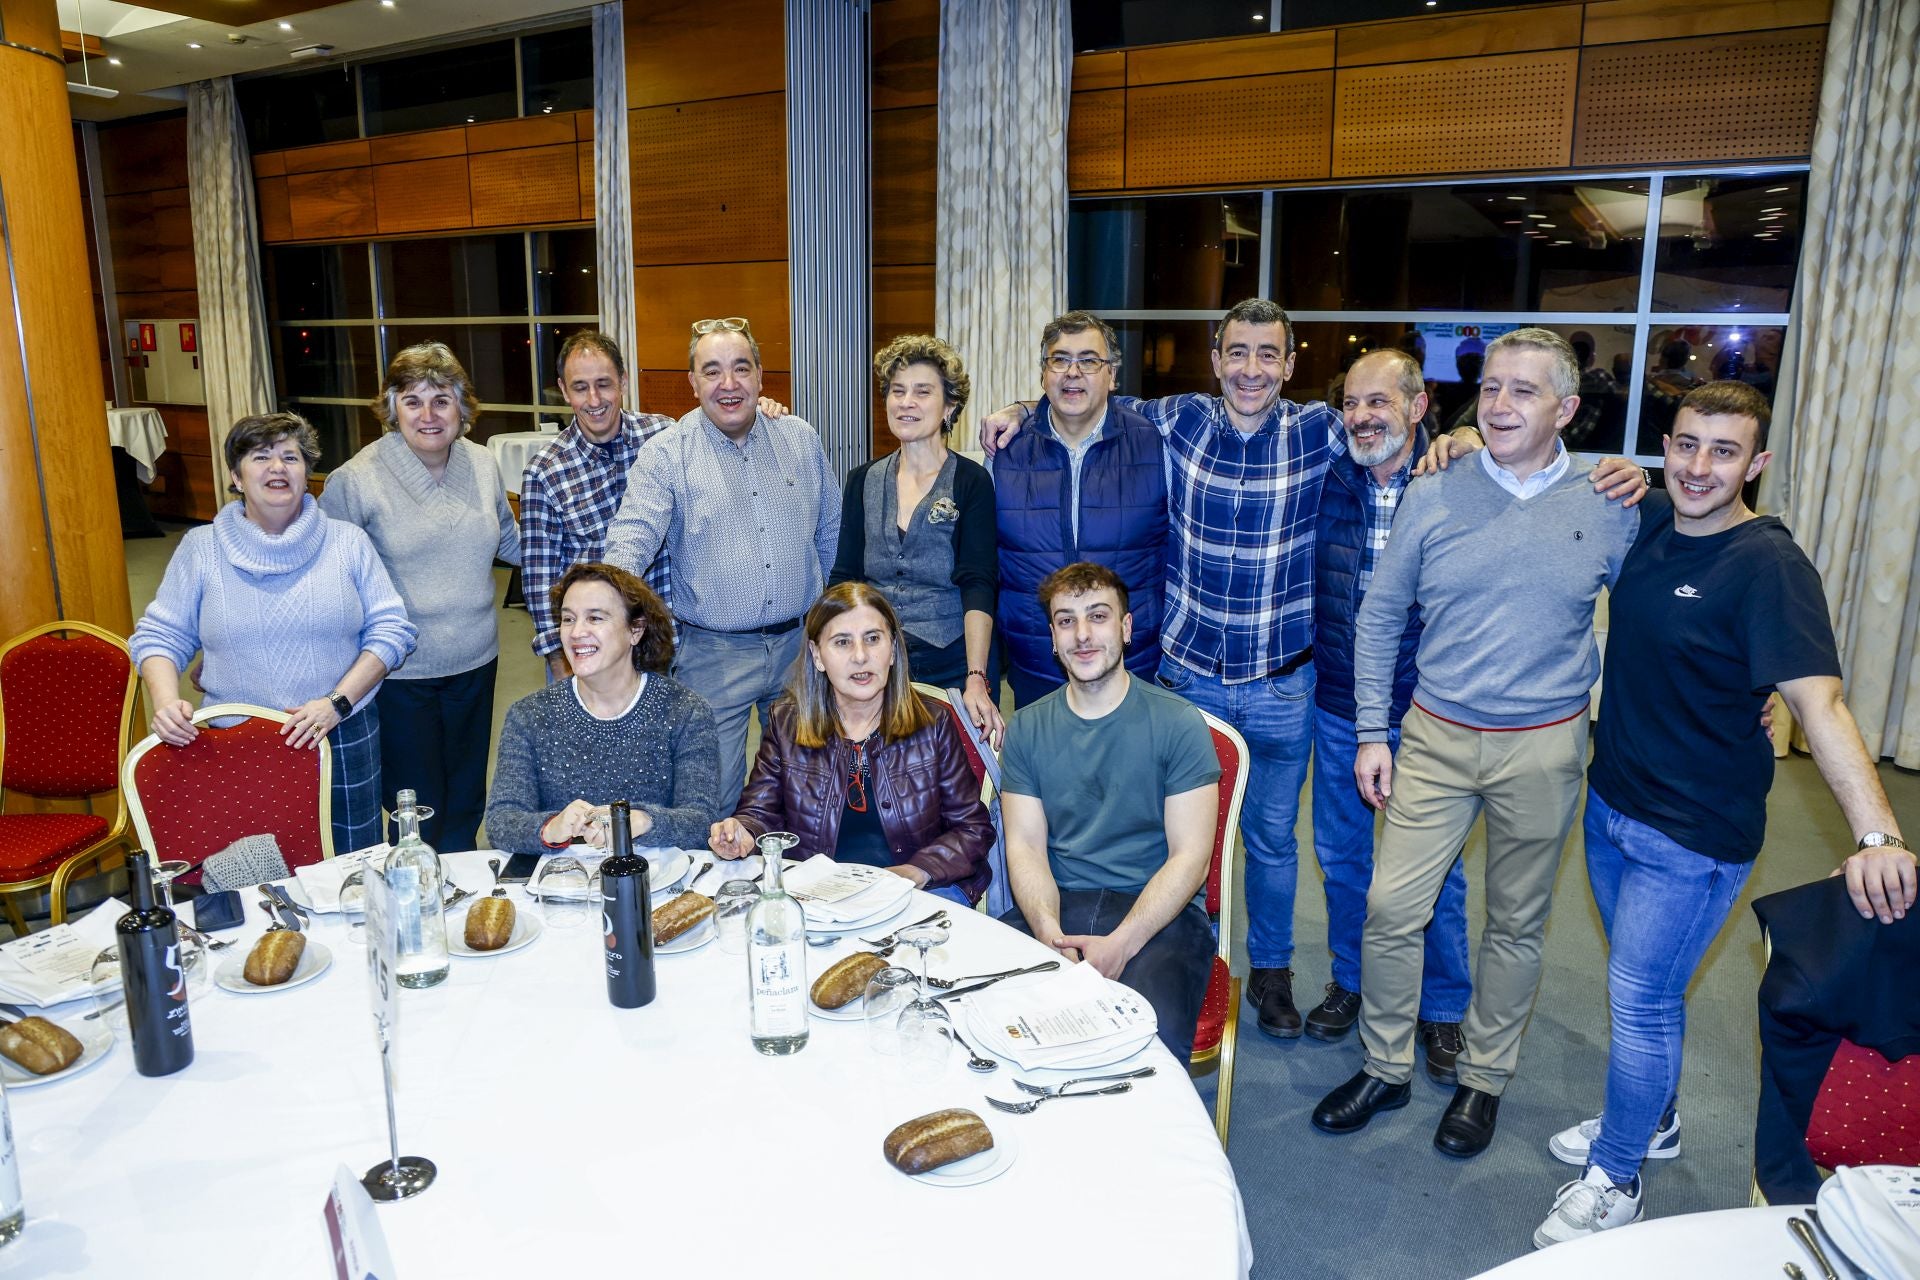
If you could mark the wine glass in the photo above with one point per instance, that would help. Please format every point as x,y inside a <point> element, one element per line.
<point>925,1027</point>
<point>561,887</point>
<point>353,905</point>
<point>888,992</point>
<point>731,904</point>
<point>775,844</point>
<point>109,1000</point>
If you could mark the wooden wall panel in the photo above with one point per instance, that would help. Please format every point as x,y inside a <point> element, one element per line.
<point>689,50</point>
<point>1624,21</point>
<point>336,203</point>
<point>902,302</point>
<point>1465,35</point>
<point>1231,58</point>
<point>1099,71</point>
<point>511,135</point>
<point>422,195</point>
<point>1221,132</point>
<point>1097,140</point>
<point>681,214</point>
<point>151,235</point>
<point>905,164</point>
<point>270,202</point>
<point>270,164</point>
<point>428,144</point>
<point>537,184</point>
<point>669,299</point>
<point>1747,96</point>
<point>166,304</point>
<point>668,391</point>
<point>1463,115</point>
<point>905,42</point>
<point>145,156</point>
<point>583,157</point>
<point>331,155</point>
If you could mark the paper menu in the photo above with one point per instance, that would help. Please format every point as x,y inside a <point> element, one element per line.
<point>824,880</point>
<point>1074,1006</point>
<point>1112,1014</point>
<point>56,964</point>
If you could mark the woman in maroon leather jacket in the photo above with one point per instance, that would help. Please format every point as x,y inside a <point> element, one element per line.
<point>859,765</point>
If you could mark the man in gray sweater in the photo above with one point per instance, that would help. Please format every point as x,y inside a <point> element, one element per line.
<point>1504,556</point>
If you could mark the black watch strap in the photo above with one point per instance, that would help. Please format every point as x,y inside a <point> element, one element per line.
<point>342,704</point>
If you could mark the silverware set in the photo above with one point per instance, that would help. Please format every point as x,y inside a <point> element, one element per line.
<point>1048,1093</point>
<point>1804,1232</point>
<point>1032,1105</point>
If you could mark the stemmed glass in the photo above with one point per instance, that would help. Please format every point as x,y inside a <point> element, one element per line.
<point>926,1028</point>
<point>888,992</point>
<point>562,889</point>
<point>192,949</point>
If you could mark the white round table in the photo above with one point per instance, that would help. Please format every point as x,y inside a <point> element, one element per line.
<point>513,450</point>
<point>573,1138</point>
<point>1730,1244</point>
<point>142,433</point>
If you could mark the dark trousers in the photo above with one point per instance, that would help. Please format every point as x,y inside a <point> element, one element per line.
<point>1030,688</point>
<point>945,667</point>
<point>434,735</point>
<point>1171,971</point>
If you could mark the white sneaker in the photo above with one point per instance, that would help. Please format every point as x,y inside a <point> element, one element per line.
<point>1588,1206</point>
<point>1575,1146</point>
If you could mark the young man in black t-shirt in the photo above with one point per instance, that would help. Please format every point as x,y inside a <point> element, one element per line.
<point>1715,609</point>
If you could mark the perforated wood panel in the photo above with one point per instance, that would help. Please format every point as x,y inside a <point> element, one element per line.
<point>1463,115</point>
<point>422,195</point>
<point>1732,97</point>
<point>537,184</point>
<point>1097,141</point>
<point>532,131</point>
<point>1251,129</point>
<point>710,181</point>
<point>583,157</point>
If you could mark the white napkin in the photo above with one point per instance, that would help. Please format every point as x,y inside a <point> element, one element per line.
<point>833,893</point>
<point>1872,1213</point>
<point>1071,1018</point>
<point>320,883</point>
<point>80,939</point>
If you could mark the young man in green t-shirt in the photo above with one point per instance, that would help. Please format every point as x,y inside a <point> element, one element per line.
<point>1109,794</point>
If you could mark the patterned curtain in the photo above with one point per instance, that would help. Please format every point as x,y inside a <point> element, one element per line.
<point>235,366</point>
<point>1851,390</point>
<point>612,189</point>
<point>1006,67</point>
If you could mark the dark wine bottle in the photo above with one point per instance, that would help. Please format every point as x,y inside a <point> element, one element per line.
<point>627,916</point>
<point>152,978</point>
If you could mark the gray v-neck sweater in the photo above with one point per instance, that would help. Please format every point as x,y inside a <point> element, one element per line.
<point>438,540</point>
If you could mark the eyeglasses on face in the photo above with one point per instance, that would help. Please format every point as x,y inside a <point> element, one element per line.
<point>1061,362</point>
<point>726,324</point>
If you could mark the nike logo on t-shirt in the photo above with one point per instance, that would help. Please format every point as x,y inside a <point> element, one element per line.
<point>1686,592</point>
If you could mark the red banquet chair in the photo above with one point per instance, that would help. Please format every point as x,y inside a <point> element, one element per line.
<point>66,711</point>
<point>974,760</point>
<point>191,802</point>
<point>1867,1111</point>
<point>1219,1026</point>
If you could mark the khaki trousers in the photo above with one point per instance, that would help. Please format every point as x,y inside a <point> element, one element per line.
<point>1528,783</point>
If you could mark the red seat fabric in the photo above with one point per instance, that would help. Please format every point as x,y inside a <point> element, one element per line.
<point>1213,1010</point>
<point>35,844</point>
<point>1229,754</point>
<point>1868,1111</point>
<point>61,696</point>
<point>974,761</point>
<point>227,783</point>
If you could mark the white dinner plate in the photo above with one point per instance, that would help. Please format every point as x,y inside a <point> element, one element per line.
<point>232,975</point>
<point>526,927</point>
<point>855,1010</point>
<point>886,915</point>
<point>661,872</point>
<point>974,1170</point>
<point>692,940</point>
<point>96,1042</point>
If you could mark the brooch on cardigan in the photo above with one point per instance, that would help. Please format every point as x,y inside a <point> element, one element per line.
<point>943,511</point>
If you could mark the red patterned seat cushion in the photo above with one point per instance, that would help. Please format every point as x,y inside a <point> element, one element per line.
<point>35,844</point>
<point>1212,1026</point>
<point>238,781</point>
<point>1868,1111</point>
<point>61,697</point>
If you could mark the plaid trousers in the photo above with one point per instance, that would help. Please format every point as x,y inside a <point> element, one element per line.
<point>356,780</point>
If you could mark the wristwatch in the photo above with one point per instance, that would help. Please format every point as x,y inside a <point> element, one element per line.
<point>1880,840</point>
<point>342,704</point>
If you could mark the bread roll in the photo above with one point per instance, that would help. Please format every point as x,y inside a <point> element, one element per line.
<point>846,981</point>
<point>671,919</point>
<point>40,1046</point>
<point>925,1144</point>
<point>490,923</point>
<point>274,958</point>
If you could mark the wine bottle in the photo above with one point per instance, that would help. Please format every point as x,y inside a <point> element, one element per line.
<point>152,979</point>
<point>419,921</point>
<point>626,921</point>
<point>13,1205</point>
<point>777,959</point>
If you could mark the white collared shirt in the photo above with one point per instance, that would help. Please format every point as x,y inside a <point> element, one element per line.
<point>1537,483</point>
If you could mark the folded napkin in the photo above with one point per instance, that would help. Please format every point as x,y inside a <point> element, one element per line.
<point>832,893</point>
<point>1073,1017</point>
<point>54,965</point>
<point>319,884</point>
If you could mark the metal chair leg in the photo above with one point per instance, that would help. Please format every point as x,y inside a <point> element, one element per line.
<point>1223,1088</point>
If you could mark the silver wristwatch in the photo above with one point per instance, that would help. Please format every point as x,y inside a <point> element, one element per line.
<point>1880,840</point>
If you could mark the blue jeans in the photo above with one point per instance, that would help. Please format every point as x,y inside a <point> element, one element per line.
<point>1276,718</point>
<point>1343,841</point>
<point>734,673</point>
<point>1661,905</point>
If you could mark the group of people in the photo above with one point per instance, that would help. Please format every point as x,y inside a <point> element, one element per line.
<point>1414,614</point>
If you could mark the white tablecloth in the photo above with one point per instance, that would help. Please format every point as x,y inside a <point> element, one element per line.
<point>1731,1244</point>
<point>573,1137</point>
<point>514,450</point>
<point>142,434</point>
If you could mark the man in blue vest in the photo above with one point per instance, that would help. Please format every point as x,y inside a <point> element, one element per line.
<point>1085,481</point>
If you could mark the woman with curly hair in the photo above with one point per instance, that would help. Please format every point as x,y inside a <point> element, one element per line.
<point>620,729</point>
<point>919,525</point>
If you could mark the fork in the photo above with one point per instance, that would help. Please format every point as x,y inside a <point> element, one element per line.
<point>1031,1105</point>
<point>948,984</point>
<point>1042,1091</point>
<point>893,938</point>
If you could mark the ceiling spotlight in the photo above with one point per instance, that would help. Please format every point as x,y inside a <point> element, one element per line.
<point>1513,222</point>
<point>286,26</point>
<point>1774,191</point>
<point>1548,226</point>
<point>1353,337</point>
<point>113,62</point>
<point>1563,242</point>
<point>193,44</point>
<point>1734,336</point>
<point>1259,17</point>
<point>1516,197</point>
<point>1303,342</point>
<point>386,4</point>
<point>1431,3</point>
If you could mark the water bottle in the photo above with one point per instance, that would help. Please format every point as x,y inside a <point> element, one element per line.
<point>419,921</point>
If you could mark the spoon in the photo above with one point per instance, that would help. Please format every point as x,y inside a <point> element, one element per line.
<point>495,865</point>
<point>975,1062</point>
<point>696,876</point>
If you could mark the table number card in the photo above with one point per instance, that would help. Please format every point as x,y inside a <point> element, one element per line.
<point>358,1244</point>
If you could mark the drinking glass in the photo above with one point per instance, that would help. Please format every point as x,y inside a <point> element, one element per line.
<point>109,999</point>
<point>193,951</point>
<point>730,906</point>
<point>888,992</point>
<point>925,1027</point>
<point>353,905</point>
<point>562,888</point>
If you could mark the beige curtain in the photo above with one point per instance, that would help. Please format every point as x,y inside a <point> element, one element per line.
<point>235,366</point>
<point>612,189</point>
<point>1006,68</point>
<point>1850,486</point>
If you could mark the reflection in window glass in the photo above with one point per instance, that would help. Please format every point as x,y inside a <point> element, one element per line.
<point>325,361</point>
<point>546,340</point>
<point>565,277</point>
<point>343,429</point>
<point>556,69</point>
<point>464,276</point>
<point>1164,357</point>
<point>1728,244</point>
<point>1567,246</point>
<point>1681,357</point>
<point>1175,253</point>
<point>299,110</point>
<point>443,87</point>
<point>496,356</point>
<point>318,282</point>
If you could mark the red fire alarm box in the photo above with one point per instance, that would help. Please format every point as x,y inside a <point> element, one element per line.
<point>149,339</point>
<point>187,338</point>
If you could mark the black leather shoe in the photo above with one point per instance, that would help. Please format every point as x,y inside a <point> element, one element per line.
<point>1333,1017</point>
<point>1441,1041</point>
<point>1357,1101</point>
<point>1270,992</point>
<point>1467,1126</point>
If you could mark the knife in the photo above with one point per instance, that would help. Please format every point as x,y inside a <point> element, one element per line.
<point>295,914</point>
<point>277,912</point>
<point>1804,1234</point>
<point>987,982</point>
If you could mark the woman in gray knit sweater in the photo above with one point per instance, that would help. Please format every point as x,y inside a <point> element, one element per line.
<point>620,729</point>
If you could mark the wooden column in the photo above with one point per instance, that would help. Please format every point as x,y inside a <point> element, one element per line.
<point>59,521</point>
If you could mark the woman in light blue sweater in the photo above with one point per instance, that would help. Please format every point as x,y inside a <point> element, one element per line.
<point>437,513</point>
<point>291,610</point>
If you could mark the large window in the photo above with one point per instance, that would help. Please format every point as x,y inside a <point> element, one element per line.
<point>1658,281</point>
<point>339,313</point>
